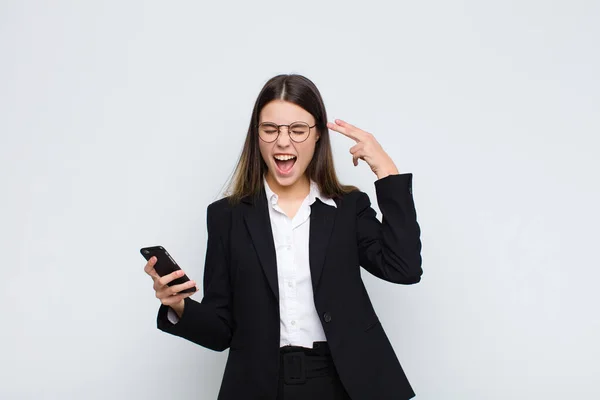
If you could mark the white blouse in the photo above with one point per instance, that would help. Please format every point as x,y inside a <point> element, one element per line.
<point>299,322</point>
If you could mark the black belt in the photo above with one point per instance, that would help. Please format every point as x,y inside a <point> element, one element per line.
<point>297,364</point>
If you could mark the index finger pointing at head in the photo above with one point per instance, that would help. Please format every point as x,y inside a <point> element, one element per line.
<point>345,124</point>
<point>356,132</point>
<point>343,130</point>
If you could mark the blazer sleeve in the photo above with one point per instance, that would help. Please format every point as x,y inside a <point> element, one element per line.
<point>391,249</point>
<point>209,322</point>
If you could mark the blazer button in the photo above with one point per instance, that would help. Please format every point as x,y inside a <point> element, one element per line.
<point>327,317</point>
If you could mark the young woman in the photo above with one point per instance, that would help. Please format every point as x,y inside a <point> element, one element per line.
<point>282,283</point>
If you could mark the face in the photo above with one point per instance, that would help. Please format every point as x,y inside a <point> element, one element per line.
<point>287,160</point>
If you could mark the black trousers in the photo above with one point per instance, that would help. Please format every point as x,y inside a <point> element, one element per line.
<point>309,374</point>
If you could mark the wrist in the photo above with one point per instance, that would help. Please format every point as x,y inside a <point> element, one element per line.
<point>178,308</point>
<point>387,172</point>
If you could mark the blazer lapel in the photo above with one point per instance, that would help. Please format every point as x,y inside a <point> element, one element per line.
<point>258,223</point>
<point>322,217</point>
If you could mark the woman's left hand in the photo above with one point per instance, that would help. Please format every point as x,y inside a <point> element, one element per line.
<point>367,148</point>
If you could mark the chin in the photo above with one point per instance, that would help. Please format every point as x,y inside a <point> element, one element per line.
<point>285,180</point>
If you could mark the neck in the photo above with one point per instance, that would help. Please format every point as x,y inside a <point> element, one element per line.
<point>298,190</point>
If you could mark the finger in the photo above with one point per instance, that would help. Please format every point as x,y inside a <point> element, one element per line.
<point>165,280</point>
<point>359,154</point>
<point>150,265</point>
<point>346,124</point>
<point>149,268</point>
<point>343,130</point>
<point>356,148</point>
<point>175,290</point>
<point>351,129</point>
<point>181,287</point>
<point>166,291</point>
<point>353,151</point>
<point>171,300</point>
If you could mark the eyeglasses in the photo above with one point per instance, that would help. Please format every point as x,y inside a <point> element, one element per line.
<point>298,131</point>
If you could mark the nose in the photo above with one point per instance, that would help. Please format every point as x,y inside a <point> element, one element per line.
<point>283,139</point>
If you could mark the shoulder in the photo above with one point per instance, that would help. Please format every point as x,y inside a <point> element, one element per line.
<point>220,205</point>
<point>218,216</point>
<point>219,208</point>
<point>352,198</point>
<point>218,212</point>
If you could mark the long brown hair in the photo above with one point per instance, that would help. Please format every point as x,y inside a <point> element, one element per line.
<point>247,178</point>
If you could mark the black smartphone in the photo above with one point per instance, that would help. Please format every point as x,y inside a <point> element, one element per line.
<point>165,265</point>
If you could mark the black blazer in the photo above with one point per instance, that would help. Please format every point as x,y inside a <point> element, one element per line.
<point>240,307</point>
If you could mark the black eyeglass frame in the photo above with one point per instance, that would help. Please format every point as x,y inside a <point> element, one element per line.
<point>279,130</point>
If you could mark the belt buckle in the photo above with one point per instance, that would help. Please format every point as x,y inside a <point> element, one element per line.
<point>294,370</point>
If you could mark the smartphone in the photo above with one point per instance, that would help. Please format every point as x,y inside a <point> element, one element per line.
<point>165,265</point>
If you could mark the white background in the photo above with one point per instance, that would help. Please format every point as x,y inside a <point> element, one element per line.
<point>120,122</point>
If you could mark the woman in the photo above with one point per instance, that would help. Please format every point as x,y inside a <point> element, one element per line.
<point>282,284</point>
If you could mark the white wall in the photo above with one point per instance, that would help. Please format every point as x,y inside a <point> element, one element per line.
<point>120,122</point>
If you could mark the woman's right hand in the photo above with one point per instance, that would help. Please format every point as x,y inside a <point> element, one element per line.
<point>169,295</point>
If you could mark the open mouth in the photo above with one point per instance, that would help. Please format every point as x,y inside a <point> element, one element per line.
<point>284,163</point>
